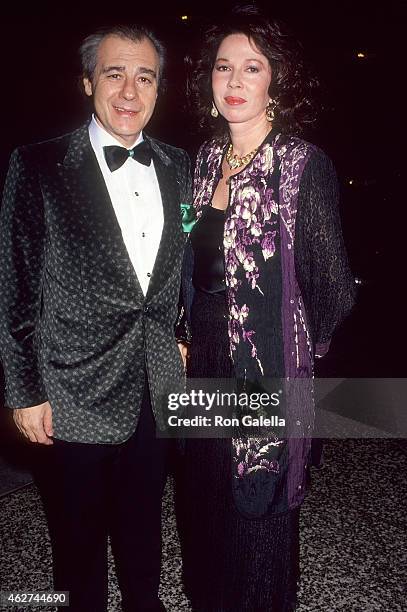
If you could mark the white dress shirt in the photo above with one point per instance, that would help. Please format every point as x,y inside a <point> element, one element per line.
<point>135,194</point>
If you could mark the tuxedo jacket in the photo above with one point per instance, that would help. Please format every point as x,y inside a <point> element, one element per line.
<point>75,327</point>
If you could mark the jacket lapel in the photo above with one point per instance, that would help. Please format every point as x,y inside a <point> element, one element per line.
<point>101,234</point>
<point>93,208</point>
<point>172,236</point>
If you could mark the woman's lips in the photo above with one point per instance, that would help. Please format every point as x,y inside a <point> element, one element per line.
<point>234,101</point>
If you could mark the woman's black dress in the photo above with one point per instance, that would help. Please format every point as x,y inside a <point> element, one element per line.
<point>231,563</point>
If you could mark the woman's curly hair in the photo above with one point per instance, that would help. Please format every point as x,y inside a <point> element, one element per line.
<point>292,85</point>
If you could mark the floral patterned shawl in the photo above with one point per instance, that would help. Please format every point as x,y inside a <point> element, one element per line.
<point>269,474</point>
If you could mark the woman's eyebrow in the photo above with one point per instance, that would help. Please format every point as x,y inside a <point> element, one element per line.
<point>248,59</point>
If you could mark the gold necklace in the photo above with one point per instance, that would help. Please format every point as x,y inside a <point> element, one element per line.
<point>235,161</point>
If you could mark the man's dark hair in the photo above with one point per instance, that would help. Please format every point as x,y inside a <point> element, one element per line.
<point>88,50</point>
<point>292,85</point>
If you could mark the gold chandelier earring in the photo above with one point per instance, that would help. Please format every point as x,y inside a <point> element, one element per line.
<point>214,111</point>
<point>270,108</point>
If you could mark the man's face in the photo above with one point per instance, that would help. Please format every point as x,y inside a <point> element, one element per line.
<point>124,86</point>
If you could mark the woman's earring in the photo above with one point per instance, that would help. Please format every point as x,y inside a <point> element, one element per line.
<point>270,110</point>
<point>214,111</point>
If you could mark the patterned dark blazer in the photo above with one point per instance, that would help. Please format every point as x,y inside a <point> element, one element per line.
<point>75,327</point>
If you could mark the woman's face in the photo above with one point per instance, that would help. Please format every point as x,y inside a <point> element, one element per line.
<point>241,78</point>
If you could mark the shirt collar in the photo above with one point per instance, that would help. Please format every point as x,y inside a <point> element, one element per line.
<point>99,138</point>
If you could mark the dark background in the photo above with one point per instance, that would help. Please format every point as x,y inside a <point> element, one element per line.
<point>360,128</point>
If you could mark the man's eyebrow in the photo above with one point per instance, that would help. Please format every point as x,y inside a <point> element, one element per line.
<point>140,70</point>
<point>143,70</point>
<point>110,68</point>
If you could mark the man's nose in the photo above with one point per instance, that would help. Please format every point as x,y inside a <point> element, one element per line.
<point>129,89</point>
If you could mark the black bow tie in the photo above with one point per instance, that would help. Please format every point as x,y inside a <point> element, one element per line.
<point>116,156</point>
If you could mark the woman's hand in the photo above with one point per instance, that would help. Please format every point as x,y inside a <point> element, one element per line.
<point>183,349</point>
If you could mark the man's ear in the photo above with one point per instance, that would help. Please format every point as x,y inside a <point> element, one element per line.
<point>87,86</point>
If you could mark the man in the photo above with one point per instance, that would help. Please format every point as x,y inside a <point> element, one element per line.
<point>91,248</point>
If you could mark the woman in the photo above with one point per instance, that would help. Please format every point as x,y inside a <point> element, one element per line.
<point>266,282</point>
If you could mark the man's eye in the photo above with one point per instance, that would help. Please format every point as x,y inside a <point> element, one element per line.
<point>144,80</point>
<point>114,75</point>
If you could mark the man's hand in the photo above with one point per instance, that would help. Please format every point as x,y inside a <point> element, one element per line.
<point>183,349</point>
<point>35,423</point>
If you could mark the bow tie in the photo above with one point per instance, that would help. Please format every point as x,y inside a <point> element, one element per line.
<point>116,156</point>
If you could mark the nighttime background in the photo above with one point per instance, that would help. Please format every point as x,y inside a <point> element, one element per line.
<point>355,506</point>
<point>355,48</point>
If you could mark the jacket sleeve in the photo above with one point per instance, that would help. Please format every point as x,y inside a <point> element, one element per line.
<point>182,328</point>
<point>22,240</point>
<point>321,262</point>
<point>183,331</point>
<point>185,180</point>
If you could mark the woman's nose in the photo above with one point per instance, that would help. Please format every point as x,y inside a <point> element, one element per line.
<point>234,79</point>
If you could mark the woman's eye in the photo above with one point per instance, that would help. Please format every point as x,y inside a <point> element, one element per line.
<point>252,69</point>
<point>222,68</point>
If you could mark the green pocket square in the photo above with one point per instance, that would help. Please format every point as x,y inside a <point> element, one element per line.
<point>188,217</point>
